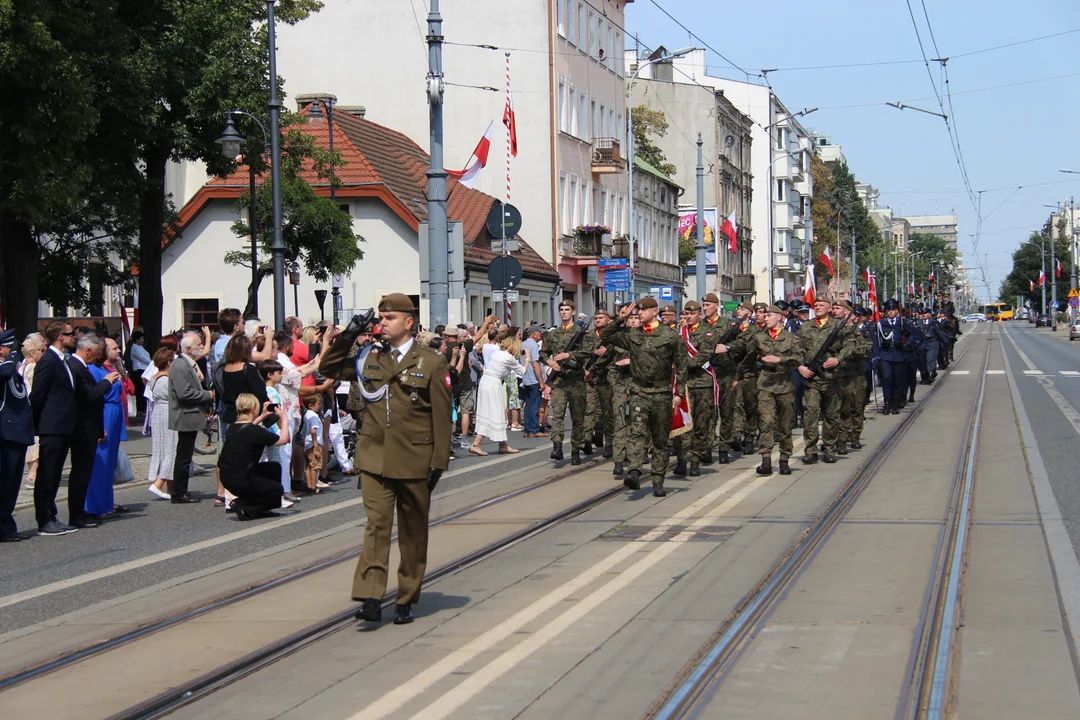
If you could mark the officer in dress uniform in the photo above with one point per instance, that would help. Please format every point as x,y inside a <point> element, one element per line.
<point>933,340</point>
<point>913,351</point>
<point>889,356</point>
<point>402,449</point>
<point>16,434</point>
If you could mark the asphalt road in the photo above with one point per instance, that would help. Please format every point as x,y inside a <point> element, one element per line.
<point>157,527</point>
<point>1054,360</point>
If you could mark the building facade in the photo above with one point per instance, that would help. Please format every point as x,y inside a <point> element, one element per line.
<point>943,226</point>
<point>655,232</point>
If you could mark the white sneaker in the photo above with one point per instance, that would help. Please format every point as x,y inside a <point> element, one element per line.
<point>286,504</point>
<point>159,492</point>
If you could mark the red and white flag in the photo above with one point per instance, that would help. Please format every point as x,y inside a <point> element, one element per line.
<point>867,275</point>
<point>810,294</point>
<point>1042,278</point>
<point>467,177</point>
<point>1058,269</point>
<point>508,115</point>
<point>1032,285</point>
<point>681,421</point>
<point>729,228</point>
<point>826,259</point>
<point>872,294</point>
<point>932,277</point>
<point>911,288</point>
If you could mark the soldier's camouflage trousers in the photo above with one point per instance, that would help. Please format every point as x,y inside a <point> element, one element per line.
<point>821,402</point>
<point>777,412</point>
<point>852,394</point>
<point>651,421</point>
<point>599,414</point>
<point>725,416</point>
<point>745,416</point>
<point>572,393</point>
<point>620,400</point>
<point>703,413</point>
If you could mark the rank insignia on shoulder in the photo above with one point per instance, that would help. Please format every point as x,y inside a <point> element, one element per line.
<point>417,375</point>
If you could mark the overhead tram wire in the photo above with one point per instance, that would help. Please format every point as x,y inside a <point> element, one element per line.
<point>692,34</point>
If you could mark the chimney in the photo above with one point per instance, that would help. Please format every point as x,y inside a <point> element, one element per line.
<point>355,110</point>
<point>305,100</point>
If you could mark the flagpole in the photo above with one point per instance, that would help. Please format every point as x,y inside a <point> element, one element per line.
<point>506,297</point>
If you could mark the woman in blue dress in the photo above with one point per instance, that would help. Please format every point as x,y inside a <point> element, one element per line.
<point>99,496</point>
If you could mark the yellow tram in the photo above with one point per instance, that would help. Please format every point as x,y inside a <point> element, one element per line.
<point>998,311</point>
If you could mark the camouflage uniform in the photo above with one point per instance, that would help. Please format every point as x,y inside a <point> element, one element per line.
<point>821,394</point>
<point>701,390</point>
<point>654,353</point>
<point>775,386</point>
<point>745,415</point>
<point>568,389</point>
<point>853,385</point>
<point>724,329</point>
<point>622,391</point>
<point>599,413</point>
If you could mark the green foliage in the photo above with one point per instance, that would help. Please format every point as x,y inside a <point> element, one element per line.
<point>1027,263</point>
<point>645,123</point>
<point>836,205</point>
<point>687,252</point>
<point>934,253</point>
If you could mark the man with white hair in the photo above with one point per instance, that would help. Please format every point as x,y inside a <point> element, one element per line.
<point>187,400</point>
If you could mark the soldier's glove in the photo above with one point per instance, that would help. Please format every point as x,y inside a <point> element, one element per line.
<point>433,475</point>
<point>359,325</point>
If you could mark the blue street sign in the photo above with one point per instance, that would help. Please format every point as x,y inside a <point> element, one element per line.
<point>1054,305</point>
<point>1074,302</point>
<point>667,293</point>
<point>611,262</point>
<point>617,280</point>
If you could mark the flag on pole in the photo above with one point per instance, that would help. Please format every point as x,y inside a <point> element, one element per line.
<point>810,294</point>
<point>729,228</point>
<point>477,162</point>
<point>911,288</point>
<point>681,420</point>
<point>876,315</point>
<point>826,259</point>
<point>1032,285</point>
<point>508,114</point>
<point>867,275</point>
<point>1042,278</point>
<point>1058,269</point>
<point>932,276</point>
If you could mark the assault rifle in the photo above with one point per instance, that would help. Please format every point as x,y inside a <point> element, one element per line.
<point>569,363</point>
<point>822,354</point>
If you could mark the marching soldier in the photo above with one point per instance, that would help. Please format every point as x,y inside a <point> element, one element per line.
<point>655,350</point>
<point>669,316</point>
<point>822,340</point>
<point>724,330</point>
<point>849,378</point>
<point>700,339</point>
<point>934,338</point>
<point>566,356</point>
<point>599,417</point>
<point>402,450</point>
<point>793,325</point>
<point>778,351</point>
<point>622,393</point>
<point>746,402</point>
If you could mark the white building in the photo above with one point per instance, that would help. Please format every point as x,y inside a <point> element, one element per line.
<point>829,153</point>
<point>782,184</point>
<point>656,228</point>
<point>382,188</point>
<point>943,226</point>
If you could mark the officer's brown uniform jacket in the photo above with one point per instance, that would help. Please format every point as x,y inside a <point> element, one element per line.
<point>414,435</point>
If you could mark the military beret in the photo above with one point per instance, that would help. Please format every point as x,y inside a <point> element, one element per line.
<point>774,309</point>
<point>782,305</point>
<point>603,312</point>
<point>892,304</point>
<point>747,306</point>
<point>7,338</point>
<point>668,309</point>
<point>761,306</point>
<point>692,306</point>
<point>396,302</point>
<point>648,302</point>
<point>710,297</point>
<point>568,303</point>
<point>842,303</point>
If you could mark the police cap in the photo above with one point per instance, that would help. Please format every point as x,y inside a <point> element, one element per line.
<point>892,304</point>
<point>7,338</point>
<point>396,302</point>
<point>782,305</point>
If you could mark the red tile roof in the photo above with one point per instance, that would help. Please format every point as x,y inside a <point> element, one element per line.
<point>385,163</point>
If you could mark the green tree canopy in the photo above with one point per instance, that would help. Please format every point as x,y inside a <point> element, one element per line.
<point>647,123</point>
<point>836,205</point>
<point>1028,263</point>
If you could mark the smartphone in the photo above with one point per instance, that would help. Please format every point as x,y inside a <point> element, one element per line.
<point>272,408</point>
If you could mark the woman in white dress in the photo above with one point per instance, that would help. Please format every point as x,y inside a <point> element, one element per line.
<point>33,347</point>
<point>163,447</point>
<point>490,398</point>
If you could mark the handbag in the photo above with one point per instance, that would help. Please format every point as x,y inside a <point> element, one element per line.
<point>132,406</point>
<point>123,472</point>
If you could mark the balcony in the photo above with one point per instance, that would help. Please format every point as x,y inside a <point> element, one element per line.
<point>743,284</point>
<point>798,172</point>
<point>592,241</point>
<point>782,261</point>
<point>782,212</point>
<point>798,222</point>
<point>606,156</point>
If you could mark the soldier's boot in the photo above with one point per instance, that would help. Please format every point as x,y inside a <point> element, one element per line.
<point>765,468</point>
<point>855,444</point>
<point>911,397</point>
<point>841,448</point>
<point>575,457</point>
<point>827,458</point>
<point>609,452</point>
<point>707,460</point>
<point>588,448</point>
<point>785,469</point>
<point>632,480</point>
<point>695,469</point>
<point>722,457</point>
<point>598,438</point>
<point>617,471</point>
<point>887,408</point>
<point>810,458</point>
<point>556,451</point>
<point>736,444</point>
<point>680,469</point>
<point>658,487</point>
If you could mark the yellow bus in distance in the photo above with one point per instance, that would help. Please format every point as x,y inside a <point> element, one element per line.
<point>998,311</point>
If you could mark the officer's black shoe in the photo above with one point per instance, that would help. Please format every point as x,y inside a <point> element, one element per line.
<point>658,488</point>
<point>765,468</point>
<point>856,445</point>
<point>633,480</point>
<point>556,452</point>
<point>680,469</point>
<point>785,469</point>
<point>609,453</point>
<point>695,469</point>
<point>827,458</point>
<point>722,457</point>
<point>403,614</point>
<point>370,610</point>
<point>810,458</point>
<point>707,460</point>
<point>617,471</point>
<point>911,398</point>
<point>841,449</point>
<point>598,438</point>
<point>587,449</point>
<point>575,457</point>
<point>736,445</point>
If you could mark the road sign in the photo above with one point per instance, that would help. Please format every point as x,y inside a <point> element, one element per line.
<point>504,272</point>
<point>512,245</point>
<point>338,281</point>
<point>617,280</point>
<point>294,277</point>
<point>1055,305</point>
<point>1074,294</point>
<point>612,262</point>
<point>504,220</point>
<point>504,296</point>
<point>1074,302</point>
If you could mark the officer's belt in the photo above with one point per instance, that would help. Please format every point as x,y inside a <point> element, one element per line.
<point>654,385</point>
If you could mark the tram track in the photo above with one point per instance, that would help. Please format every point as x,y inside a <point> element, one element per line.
<point>703,675</point>
<point>108,645</point>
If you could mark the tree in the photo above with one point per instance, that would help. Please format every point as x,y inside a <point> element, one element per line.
<point>934,253</point>
<point>836,205</point>
<point>1027,264</point>
<point>645,123</point>
<point>317,234</point>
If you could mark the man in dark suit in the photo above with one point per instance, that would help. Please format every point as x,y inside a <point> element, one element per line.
<point>16,434</point>
<point>187,415</point>
<point>89,425</point>
<point>53,402</point>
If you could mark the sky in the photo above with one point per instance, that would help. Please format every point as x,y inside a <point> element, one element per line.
<point>1016,136</point>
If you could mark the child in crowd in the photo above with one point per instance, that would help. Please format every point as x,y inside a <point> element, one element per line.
<point>271,370</point>
<point>313,438</point>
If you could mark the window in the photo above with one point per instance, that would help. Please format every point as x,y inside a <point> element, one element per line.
<point>584,118</point>
<point>594,126</point>
<point>621,130</point>
<point>604,129</point>
<point>560,10</point>
<point>563,205</point>
<point>779,138</point>
<point>562,105</point>
<point>613,131</point>
<point>584,201</point>
<point>575,217</point>
<point>620,221</point>
<point>598,217</point>
<point>581,34</point>
<point>779,191</point>
<point>574,119</point>
<point>604,219</point>
<point>618,51</point>
<point>781,241</point>
<point>608,62</point>
<point>199,313</point>
<point>592,34</point>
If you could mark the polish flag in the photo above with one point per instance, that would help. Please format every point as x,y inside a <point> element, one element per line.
<point>1042,278</point>
<point>866,276</point>
<point>508,118</point>
<point>911,288</point>
<point>872,295</point>
<point>932,277</point>
<point>1058,269</point>
<point>728,228</point>
<point>681,420</point>
<point>826,259</point>
<point>809,295</point>
<point>1032,285</point>
<point>467,177</point>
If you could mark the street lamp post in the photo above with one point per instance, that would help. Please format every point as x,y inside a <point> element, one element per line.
<point>277,247</point>
<point>630,147</point>
<point>1073,245</point>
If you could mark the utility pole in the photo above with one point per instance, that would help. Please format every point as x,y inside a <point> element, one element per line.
<point>1053,284</point>
<point>854,267</point>
<point>699,269</point>
<point>1072,252</point>
<point>1042,279</point>
<point>438,235</point>
<point>277,246</point>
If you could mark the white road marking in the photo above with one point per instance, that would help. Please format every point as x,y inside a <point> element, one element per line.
<point>960,372</point>
<point>103,573</point>
<point>1069,373</point>
<point>419,683</point>
<point>1036,371</point>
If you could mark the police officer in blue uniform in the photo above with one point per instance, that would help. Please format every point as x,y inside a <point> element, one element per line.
<point>933,339</point>
<point>889,356</point>
<point>16,434</point>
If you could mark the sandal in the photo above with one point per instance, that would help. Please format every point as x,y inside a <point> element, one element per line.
<point>219,501</point>
<point>473,450</point>
<point>508,451</point>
